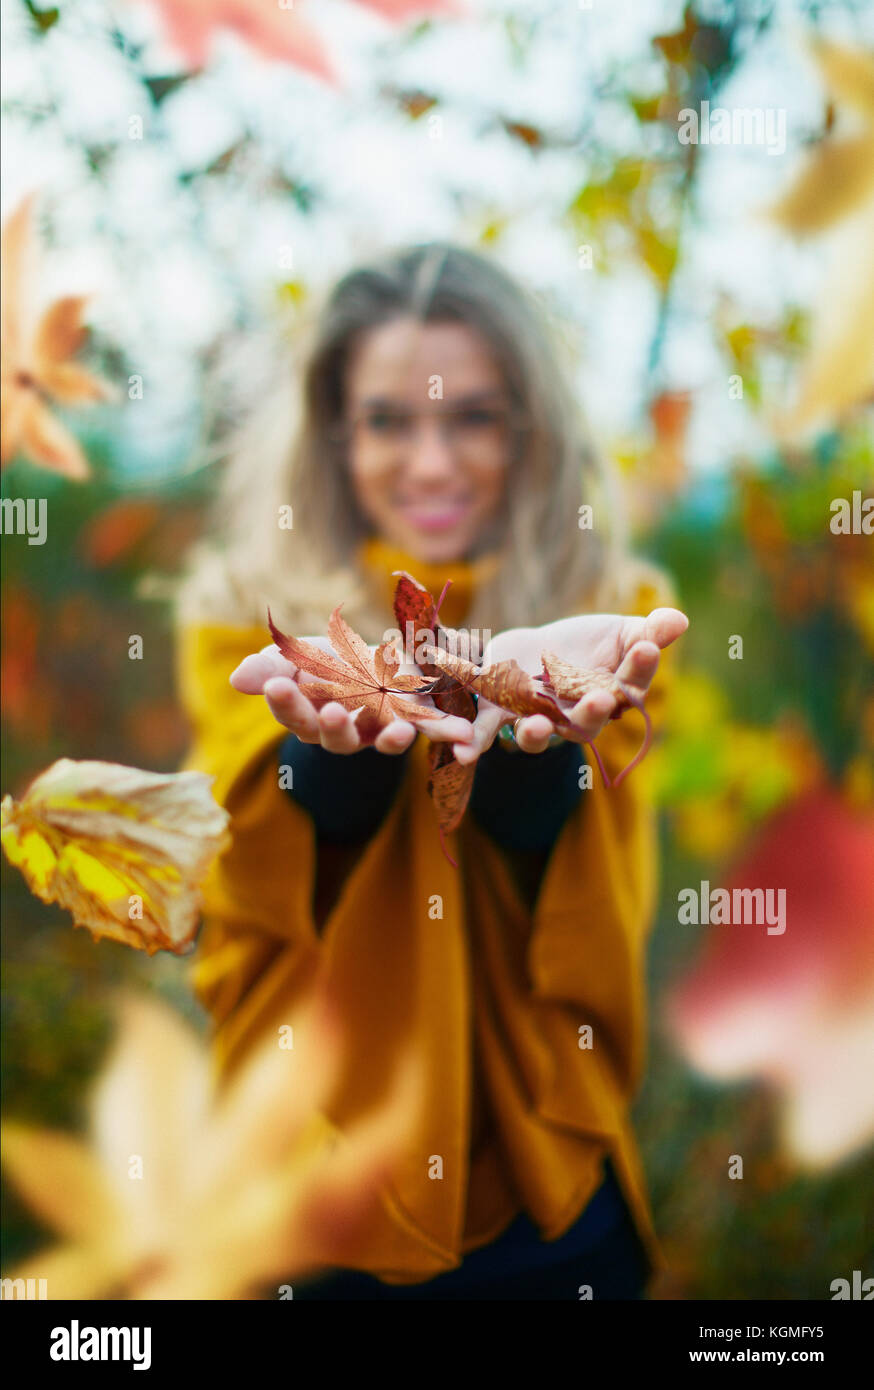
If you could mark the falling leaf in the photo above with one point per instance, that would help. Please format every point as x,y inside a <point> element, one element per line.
<point>37,348</point>
<point>275,33</point>
<point>355,678</point>
<point>837,178</point>
<point>837,373</point>
<point>796,1008</point>
<point>848,74</point>
<point>123,850</point>
<point>233,1190</point>
<point>278,33</point>
<point>836,186</point>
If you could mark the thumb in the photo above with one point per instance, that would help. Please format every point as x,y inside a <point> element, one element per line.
<point>664,625</point>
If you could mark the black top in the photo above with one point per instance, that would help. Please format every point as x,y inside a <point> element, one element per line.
<point>521,800</point>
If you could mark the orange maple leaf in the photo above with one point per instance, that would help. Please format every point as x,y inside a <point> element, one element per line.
<point>355,678</point>
<point>36,352</point>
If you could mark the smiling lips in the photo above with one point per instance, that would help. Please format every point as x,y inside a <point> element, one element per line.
<point>438,514</point>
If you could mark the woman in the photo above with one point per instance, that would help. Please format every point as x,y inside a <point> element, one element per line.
<point>437,436</point>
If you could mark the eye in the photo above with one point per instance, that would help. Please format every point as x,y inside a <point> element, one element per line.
<point>386,422</point>
<point>482,416</point>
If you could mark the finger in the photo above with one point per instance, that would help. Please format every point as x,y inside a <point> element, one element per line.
<point>639,665</point>
<point>450,728</point>
<point>249,677</point>
<point>664,625</point>
<point>396,737</point>
<point>337,728</point>
<point>292,709</point>
<point>254,670</point>
<point>533,733</point>
<point>489,719</point>
<point>590,714</point>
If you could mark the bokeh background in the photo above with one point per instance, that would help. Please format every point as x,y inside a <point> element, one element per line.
<point>204,186</point>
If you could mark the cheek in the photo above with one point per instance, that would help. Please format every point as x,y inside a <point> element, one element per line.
<point>491,491</point>
<point>366,489</point>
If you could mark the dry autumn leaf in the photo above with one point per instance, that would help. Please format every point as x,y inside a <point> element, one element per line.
<point>359,680</point>
<point>571,683</point>
<point>505,684</point>
<point>835,188</point>
<point>37,348</point>
<point>451,783</point>
<point>231,1191</point>
<point>123,850</point>
<point>355,678</point>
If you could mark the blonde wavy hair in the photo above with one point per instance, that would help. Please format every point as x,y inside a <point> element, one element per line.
<point>289,451</point>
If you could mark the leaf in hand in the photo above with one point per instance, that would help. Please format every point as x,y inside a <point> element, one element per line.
<point>92,835</point>
<point>573,683</point>
<point>509,686</point>
<point>355,678</point>
<point>451,782</point>
<point>505,684</point>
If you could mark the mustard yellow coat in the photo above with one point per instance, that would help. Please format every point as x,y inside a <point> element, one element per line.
<point>490,988</point>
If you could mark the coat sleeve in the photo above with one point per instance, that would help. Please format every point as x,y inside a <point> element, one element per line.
<point>257,898</point>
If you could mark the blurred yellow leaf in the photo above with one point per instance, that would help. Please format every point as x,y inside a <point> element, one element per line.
<point>838,176</point>
<point>838,370</point>
<point>848,74</point>
<point>123,850</point>
<point>180,1193</point>
<point>836,184</point>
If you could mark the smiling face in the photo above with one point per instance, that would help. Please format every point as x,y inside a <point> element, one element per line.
<point>428,474</point>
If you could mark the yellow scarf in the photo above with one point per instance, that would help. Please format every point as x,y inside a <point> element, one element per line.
<point>379,558</point>
<point>447,964</point>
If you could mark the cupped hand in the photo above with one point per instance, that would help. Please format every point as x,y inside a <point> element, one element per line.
<point>626,646</point>
<point>270,674</point>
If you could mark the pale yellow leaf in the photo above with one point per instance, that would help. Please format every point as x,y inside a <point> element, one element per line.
<point>234,1203</point>
<point>848,73</point>
<point>60,1179</point>
<point>836,179</point>
<point>148,1110</point>
<point>838,370</point>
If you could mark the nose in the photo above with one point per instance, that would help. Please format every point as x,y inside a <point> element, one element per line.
<point>430,453</point>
